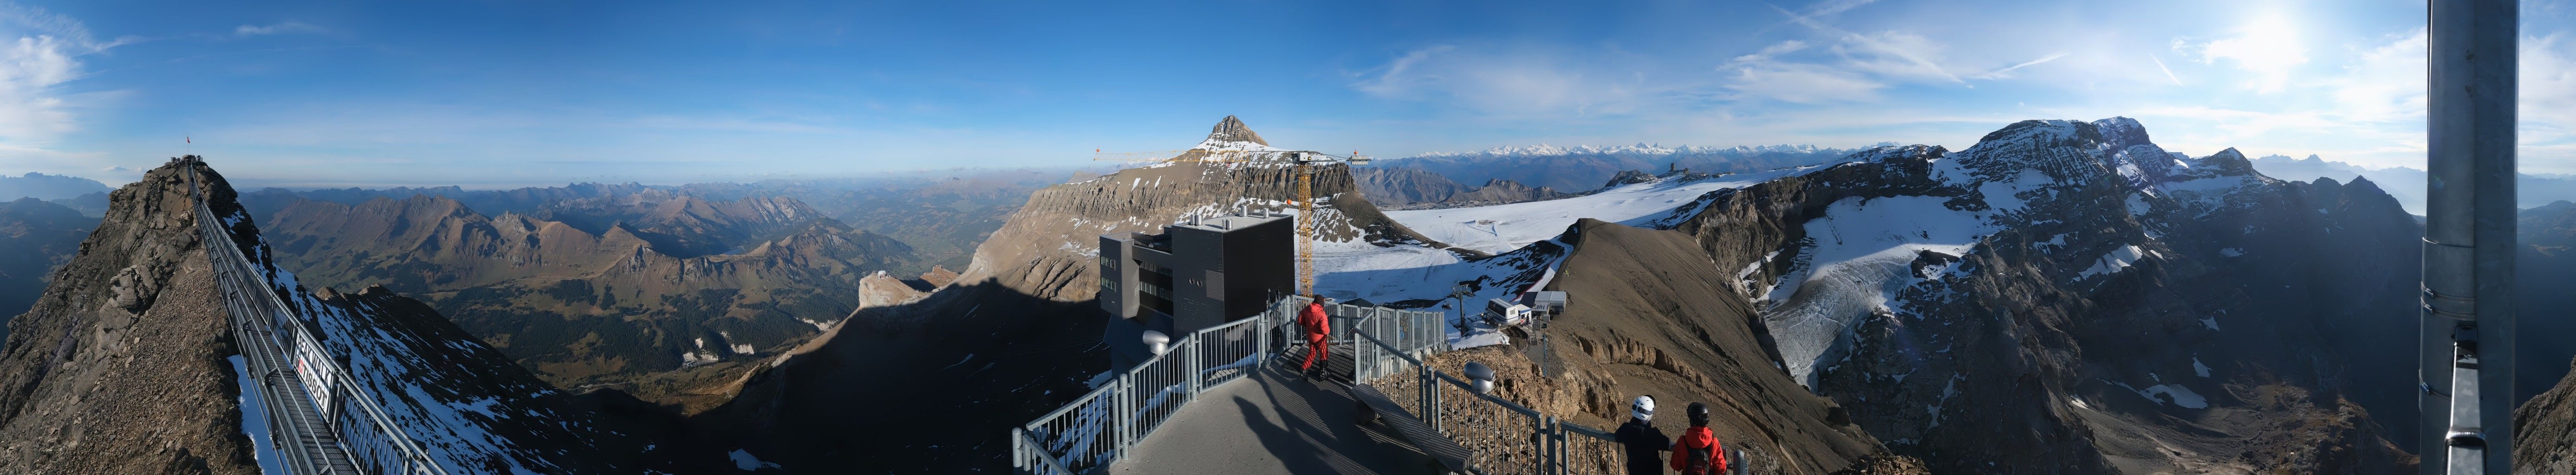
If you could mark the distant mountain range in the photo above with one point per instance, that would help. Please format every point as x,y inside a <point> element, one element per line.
<point>623,288</point>
<point>125,359</point>
<point>1394,186</point>
<point>1582,168</point>
<point>2407,184</point>
<point>47,187</point>
<point>87,196</point>
<point>35,237</point>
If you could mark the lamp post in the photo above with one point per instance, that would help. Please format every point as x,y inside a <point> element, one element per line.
<point>1460,293</point>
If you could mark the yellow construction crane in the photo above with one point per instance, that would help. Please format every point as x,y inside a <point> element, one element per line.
<point>1307,161</point>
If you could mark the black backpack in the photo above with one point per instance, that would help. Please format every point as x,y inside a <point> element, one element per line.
<point>1698,461</point>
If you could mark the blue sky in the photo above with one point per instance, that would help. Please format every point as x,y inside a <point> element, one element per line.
<point>494,94</point>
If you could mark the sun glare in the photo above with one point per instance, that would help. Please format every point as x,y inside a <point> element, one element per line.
<point>2268,47</point>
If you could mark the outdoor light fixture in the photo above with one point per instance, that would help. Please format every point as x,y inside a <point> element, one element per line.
<point>1157,342</point>
<point>1481,377</point>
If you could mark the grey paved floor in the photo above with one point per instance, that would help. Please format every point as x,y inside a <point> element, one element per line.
<point>1273,422</point>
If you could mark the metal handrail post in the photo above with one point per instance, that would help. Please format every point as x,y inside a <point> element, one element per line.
<point>1430,399</point>
<point>1540,439</point>
<point>1125,415</point>
<point>1190,368</point>
<point>1019,450</point>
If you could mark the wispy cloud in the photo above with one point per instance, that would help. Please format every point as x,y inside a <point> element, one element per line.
<point>279,28</point>
<point>2160,66</point>
<point>34,110</point>
<point>1804,84</point>
<point>1520,82</point>
<point>2005,71</point>
<point>1915,50</point>
<point>1776,49</point>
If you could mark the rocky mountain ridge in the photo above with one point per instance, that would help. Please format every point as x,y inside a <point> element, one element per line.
<point>1583,168</point>
<point>121,367</point>
<point>2407,182</point>
<point>1018,328</point>
<point>582,307</point>
<point>2062,284</point>
<point>1408,186</point>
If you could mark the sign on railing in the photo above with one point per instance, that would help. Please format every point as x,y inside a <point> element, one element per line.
<point>267,326</point>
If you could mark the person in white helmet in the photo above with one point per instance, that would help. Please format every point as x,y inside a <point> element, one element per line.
<point>1645,444</point>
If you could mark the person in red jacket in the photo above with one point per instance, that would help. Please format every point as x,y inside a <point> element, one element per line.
<point>1317,326</point>
<point>1698,453</point>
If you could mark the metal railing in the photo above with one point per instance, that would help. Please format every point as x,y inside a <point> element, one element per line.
<point>1501,437</point>
<point>1582,450</point>
<point>1101,425</point>
<point>364,438</point>
<point>1087,434</point>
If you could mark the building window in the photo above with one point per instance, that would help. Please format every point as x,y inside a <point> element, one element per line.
<point>1154,289</point>
<point>1108,282</point>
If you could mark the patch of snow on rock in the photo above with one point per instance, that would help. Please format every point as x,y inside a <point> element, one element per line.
<point>2115,261</point>
<point>743,460</point>
<point>1863,252</point>
<point>1502,228</point>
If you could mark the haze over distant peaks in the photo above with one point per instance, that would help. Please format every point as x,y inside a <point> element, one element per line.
<point>1545,150</point>
<point>47,187</point>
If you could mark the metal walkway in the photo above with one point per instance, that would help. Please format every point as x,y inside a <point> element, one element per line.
<point>1299,425</point>
<point>1226,400</point>
<point>314,421</point>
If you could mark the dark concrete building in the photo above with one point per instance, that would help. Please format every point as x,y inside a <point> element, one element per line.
<point>1194,275</point>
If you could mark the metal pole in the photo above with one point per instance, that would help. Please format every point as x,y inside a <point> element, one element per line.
<point>1019,451</point>
<point>1198,348</point>
<point>2466,357</point>
<point>1124,404</point>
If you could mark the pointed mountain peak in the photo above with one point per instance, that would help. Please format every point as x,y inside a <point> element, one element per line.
<point>2229,162</point>
<point>1233,130</point>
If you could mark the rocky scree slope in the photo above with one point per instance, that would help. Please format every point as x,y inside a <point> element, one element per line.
<point>1018,329</point>
<point>2053,299</point>
<point>2544,431</point>
<point>120,366</point>
<point>1658,318</point>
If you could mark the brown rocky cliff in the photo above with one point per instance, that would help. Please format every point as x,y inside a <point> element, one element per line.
<point>939,276</point>
<point>120,367</point>
<point>1018,325</point>
<point>2052,364</point>
<point>1652,316</point>
<point>1046,248</point>
<point>2544,431</point>
<point>1395,185</point>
